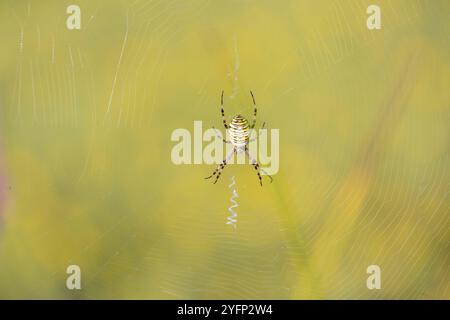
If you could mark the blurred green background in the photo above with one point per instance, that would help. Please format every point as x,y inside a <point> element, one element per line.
<point>86,176</point>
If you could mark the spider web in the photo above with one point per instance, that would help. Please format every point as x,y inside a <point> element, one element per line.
<point>86,118</point>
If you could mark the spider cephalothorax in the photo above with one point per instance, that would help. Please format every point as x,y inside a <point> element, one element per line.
<point>239,130</point>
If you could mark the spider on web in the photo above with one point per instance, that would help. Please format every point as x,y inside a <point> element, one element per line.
<point>239,130</point>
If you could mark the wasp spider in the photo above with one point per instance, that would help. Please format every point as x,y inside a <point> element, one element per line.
<point>239,130</point>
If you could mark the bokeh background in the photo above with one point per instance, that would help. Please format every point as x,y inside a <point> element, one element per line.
<point>86,176</point>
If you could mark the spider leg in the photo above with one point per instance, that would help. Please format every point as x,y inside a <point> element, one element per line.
<point>223,112</point>
<point>257,135</point>
<point>221,166</point>
<point>257,167</point>
<point>254,111</point>
<point>219,136</point>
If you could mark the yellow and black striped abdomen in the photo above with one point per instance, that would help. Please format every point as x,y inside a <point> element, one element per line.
<point>239,131</point>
